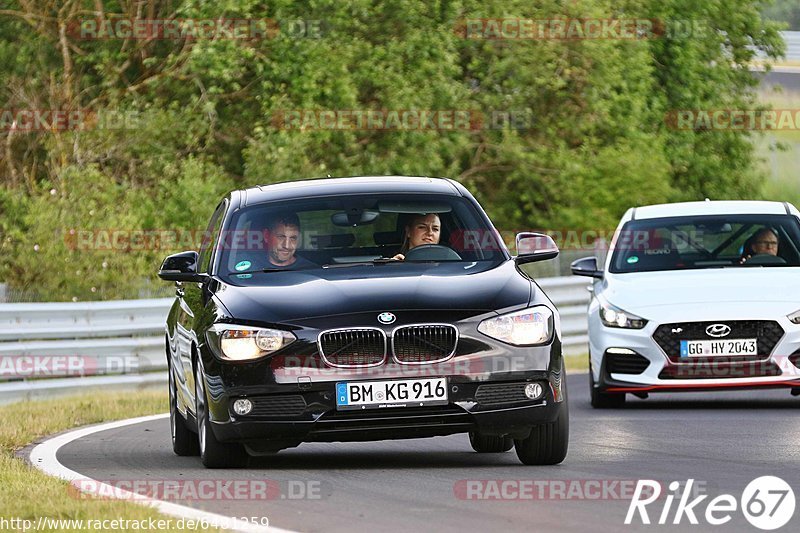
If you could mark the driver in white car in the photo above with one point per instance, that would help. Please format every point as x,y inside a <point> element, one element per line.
<point>763,242</point>
<point>420,230</point>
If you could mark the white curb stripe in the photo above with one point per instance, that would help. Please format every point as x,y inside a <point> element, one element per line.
<point>780,69</point>
<point>43,456</point>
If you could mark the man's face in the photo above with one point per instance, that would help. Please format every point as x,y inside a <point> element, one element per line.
<point>424,230</point>
<point>765,243</point>
<point>282,244</point>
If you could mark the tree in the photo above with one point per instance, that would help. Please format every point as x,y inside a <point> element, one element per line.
<point>568,133</point>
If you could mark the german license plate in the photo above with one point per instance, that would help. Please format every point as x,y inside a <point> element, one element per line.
<point>395,393</point>
<point>709,348</point>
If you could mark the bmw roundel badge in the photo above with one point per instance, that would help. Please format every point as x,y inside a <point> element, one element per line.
<point>386,318</point>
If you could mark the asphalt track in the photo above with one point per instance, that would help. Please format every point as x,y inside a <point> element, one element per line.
<point>723,440</point>
<point>788,81</point>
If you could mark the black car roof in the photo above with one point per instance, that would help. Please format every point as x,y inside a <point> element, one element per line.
<point>344,186</point>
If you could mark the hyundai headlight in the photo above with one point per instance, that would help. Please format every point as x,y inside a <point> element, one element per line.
<point>243,343</point>
<point>522,328</point>
<point>794,317</point>
<point>614,317</point>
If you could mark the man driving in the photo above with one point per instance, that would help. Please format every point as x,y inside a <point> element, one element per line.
<point>764,242</point>
<point>282,237</point>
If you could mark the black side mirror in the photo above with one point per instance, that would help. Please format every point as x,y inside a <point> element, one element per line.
<point>181,267</point>
<point>586,266</point>
<point>533,247</point>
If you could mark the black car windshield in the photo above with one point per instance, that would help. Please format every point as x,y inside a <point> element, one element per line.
<point>681,243</point>
<point>340,232</point>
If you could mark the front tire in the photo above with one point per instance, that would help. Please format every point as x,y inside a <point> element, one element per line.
<point>548,443</point>
<point>490,443</point>
<point>184,441</point>
<point>603,400</point>
<point>213,453</point>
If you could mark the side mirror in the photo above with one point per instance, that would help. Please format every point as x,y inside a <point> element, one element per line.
<point>180,267</point>
<point>533,247</point>
<point>586,266</point>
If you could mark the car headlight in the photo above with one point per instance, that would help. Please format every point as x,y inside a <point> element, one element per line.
<point>243,343</point>
<point>614,317</point>
<point>794,317</point>
<point>522,328</point>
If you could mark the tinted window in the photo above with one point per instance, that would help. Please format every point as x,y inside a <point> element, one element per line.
<point>340,231</point>
<point>682,243</point>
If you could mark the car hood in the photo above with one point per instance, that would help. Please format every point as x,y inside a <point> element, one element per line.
<point>277,297</point>
<point>645,290</point>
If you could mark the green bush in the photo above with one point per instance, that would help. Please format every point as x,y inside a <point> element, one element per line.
<point>201,119</point>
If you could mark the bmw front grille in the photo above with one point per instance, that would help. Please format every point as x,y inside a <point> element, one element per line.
<point>365,347</point>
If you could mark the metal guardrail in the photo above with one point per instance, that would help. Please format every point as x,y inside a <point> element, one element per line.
<point>122,336</point>
<point>123,340</point>
<point>792,39</point>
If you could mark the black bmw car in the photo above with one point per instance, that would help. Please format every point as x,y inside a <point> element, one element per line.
<point>355,309</point>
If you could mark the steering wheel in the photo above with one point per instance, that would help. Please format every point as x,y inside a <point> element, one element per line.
<point>764,259</point>
<point>432,252</point>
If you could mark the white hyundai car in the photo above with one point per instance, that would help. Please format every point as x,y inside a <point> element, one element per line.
<point>696,296</point>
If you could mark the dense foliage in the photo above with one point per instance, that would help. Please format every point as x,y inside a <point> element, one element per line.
<point>785,11</point>
<point>181,121</point>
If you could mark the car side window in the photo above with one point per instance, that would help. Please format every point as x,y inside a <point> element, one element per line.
<point>211,237</point>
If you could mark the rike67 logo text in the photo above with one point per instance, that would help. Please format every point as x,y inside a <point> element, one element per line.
<point>767,502</point>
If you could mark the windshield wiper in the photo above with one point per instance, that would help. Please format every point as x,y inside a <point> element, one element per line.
<point>362,263</point>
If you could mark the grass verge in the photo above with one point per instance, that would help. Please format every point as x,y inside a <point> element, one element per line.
<point>577,363</point>
<point>27,493</point>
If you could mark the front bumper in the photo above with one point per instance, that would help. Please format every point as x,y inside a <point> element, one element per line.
<point>651,370</point>
<point>323,423</point>
<point>294,395</point>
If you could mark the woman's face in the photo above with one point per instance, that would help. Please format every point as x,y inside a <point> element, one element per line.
<point>423,230</point>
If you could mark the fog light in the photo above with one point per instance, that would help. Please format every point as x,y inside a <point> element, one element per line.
<point>243,406</point>
<point>533,390</point>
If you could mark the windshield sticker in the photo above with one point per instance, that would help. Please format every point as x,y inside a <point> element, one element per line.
<point>633,259</point>
<point>242,265</point>
<point>244,276</point>
<point>658,251</point>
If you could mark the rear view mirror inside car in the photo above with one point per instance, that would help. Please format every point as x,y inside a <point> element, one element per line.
<point>354,217</point>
